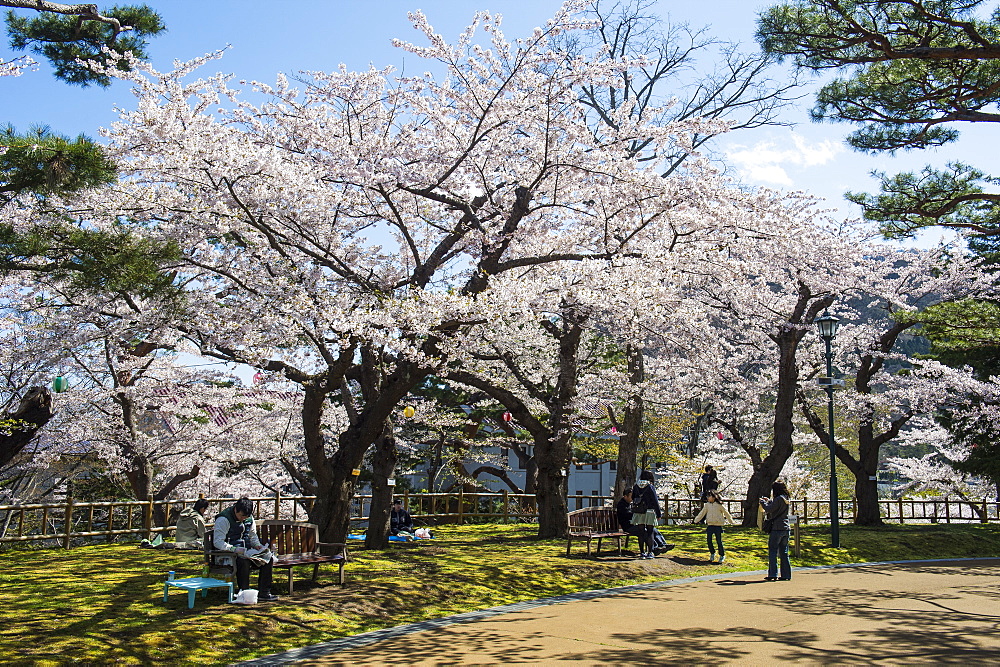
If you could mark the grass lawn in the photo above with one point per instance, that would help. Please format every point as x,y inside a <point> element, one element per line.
<point>104,604</point>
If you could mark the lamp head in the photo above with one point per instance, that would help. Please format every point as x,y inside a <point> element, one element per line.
<point>828,325</point>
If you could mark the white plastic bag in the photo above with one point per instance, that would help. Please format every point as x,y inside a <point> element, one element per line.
<point>248,596</point>
<point>422,534</point>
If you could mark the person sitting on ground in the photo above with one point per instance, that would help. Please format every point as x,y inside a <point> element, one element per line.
<point>236,531</point>
<point>190,529</point>
<point>400,520</point>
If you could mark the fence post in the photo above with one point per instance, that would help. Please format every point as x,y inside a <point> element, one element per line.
<point>901,518</point>
<point>68,516</point>
<point>805,510</point>
<point>147,517</point>
<point>986,516</point>
<point>461,505</point>
<point>947,509</point>
<point>506,506</point>
<point>795,534</point>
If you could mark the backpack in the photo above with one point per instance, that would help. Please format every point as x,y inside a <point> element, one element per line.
<point>639,505</point>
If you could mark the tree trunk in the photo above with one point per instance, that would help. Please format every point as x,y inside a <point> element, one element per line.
<point>334,484</point>
<point>787,339</point>
<point>770,467</point>
<point>383,464</point>
<point>866,510</point>
<point>332,509</point>
<point>866,502</point>
<point>32,413</point>
<point>436,464</point>
<point>628,443</point>
<point>551,491</point>
<point>756,487</point>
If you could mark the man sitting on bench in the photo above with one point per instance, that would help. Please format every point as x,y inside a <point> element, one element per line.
<point>624,512</point>
<point>236,531</point>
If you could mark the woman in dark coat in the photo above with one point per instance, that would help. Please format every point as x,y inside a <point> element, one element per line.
<point>709,482</point>
<point>644,496</point>
<point>776,511</point>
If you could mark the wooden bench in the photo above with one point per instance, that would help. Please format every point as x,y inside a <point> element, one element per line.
<point>295,542</point>
<point>595,523</point>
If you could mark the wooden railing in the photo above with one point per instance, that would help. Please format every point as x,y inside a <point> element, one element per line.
<point>72,521</point>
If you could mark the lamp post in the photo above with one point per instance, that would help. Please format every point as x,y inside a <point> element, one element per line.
<point>828,325</point>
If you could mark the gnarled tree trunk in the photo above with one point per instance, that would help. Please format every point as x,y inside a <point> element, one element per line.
<point>383,464</point>
<point>32,413</point>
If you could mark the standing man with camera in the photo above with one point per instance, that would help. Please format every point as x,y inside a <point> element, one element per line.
<point>236,531</point>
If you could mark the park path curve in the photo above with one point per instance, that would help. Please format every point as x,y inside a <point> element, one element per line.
<point>914,612</point>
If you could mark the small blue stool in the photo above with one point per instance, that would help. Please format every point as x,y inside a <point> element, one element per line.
<point>194,584</point>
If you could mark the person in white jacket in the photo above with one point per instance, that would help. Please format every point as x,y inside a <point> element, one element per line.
<point>716,516</point>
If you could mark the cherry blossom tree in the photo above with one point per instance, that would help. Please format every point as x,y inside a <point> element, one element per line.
<point>936,470</point>
<point>889,388</point>
<point>764,290</point>
<point>338,234</point>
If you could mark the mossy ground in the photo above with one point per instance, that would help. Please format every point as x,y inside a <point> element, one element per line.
<point>104,604</point>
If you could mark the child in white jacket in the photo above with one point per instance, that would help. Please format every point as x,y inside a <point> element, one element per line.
<point>716,516</point>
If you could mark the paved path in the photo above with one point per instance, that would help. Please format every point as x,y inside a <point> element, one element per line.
<point>916,613</point>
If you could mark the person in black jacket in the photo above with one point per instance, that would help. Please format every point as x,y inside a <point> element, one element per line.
<point>400,520</point>
<point>709,482</point>
<point>644,497</point>
<point>623,509</point>
<point>776,511</point>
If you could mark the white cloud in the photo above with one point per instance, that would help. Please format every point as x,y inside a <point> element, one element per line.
<point>767,161</point>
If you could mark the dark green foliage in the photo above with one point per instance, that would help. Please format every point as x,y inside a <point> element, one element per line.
<point>915,69</point>
<point>45,163</point>
<point>953,197</point>
<point>115,261</point>
<point>64,39</point>
<point>961,325</point>
<point>978,433</point>
<point>40,163</point>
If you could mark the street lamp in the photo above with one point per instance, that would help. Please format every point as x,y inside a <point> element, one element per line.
<point>828,325</point>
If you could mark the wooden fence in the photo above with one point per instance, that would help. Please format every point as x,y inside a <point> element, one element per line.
<point>71,521</point>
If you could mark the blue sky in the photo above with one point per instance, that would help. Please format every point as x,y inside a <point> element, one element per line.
<point>292,35</point>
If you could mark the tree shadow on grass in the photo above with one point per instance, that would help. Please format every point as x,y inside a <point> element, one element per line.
<point>697,562</point>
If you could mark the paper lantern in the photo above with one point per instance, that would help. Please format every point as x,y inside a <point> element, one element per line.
<point>408,411</point>
<point>720,436</point>
<point>506,417</point>
<point>60,384</point>
<point>356,472</point>
<point>614,430</point>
